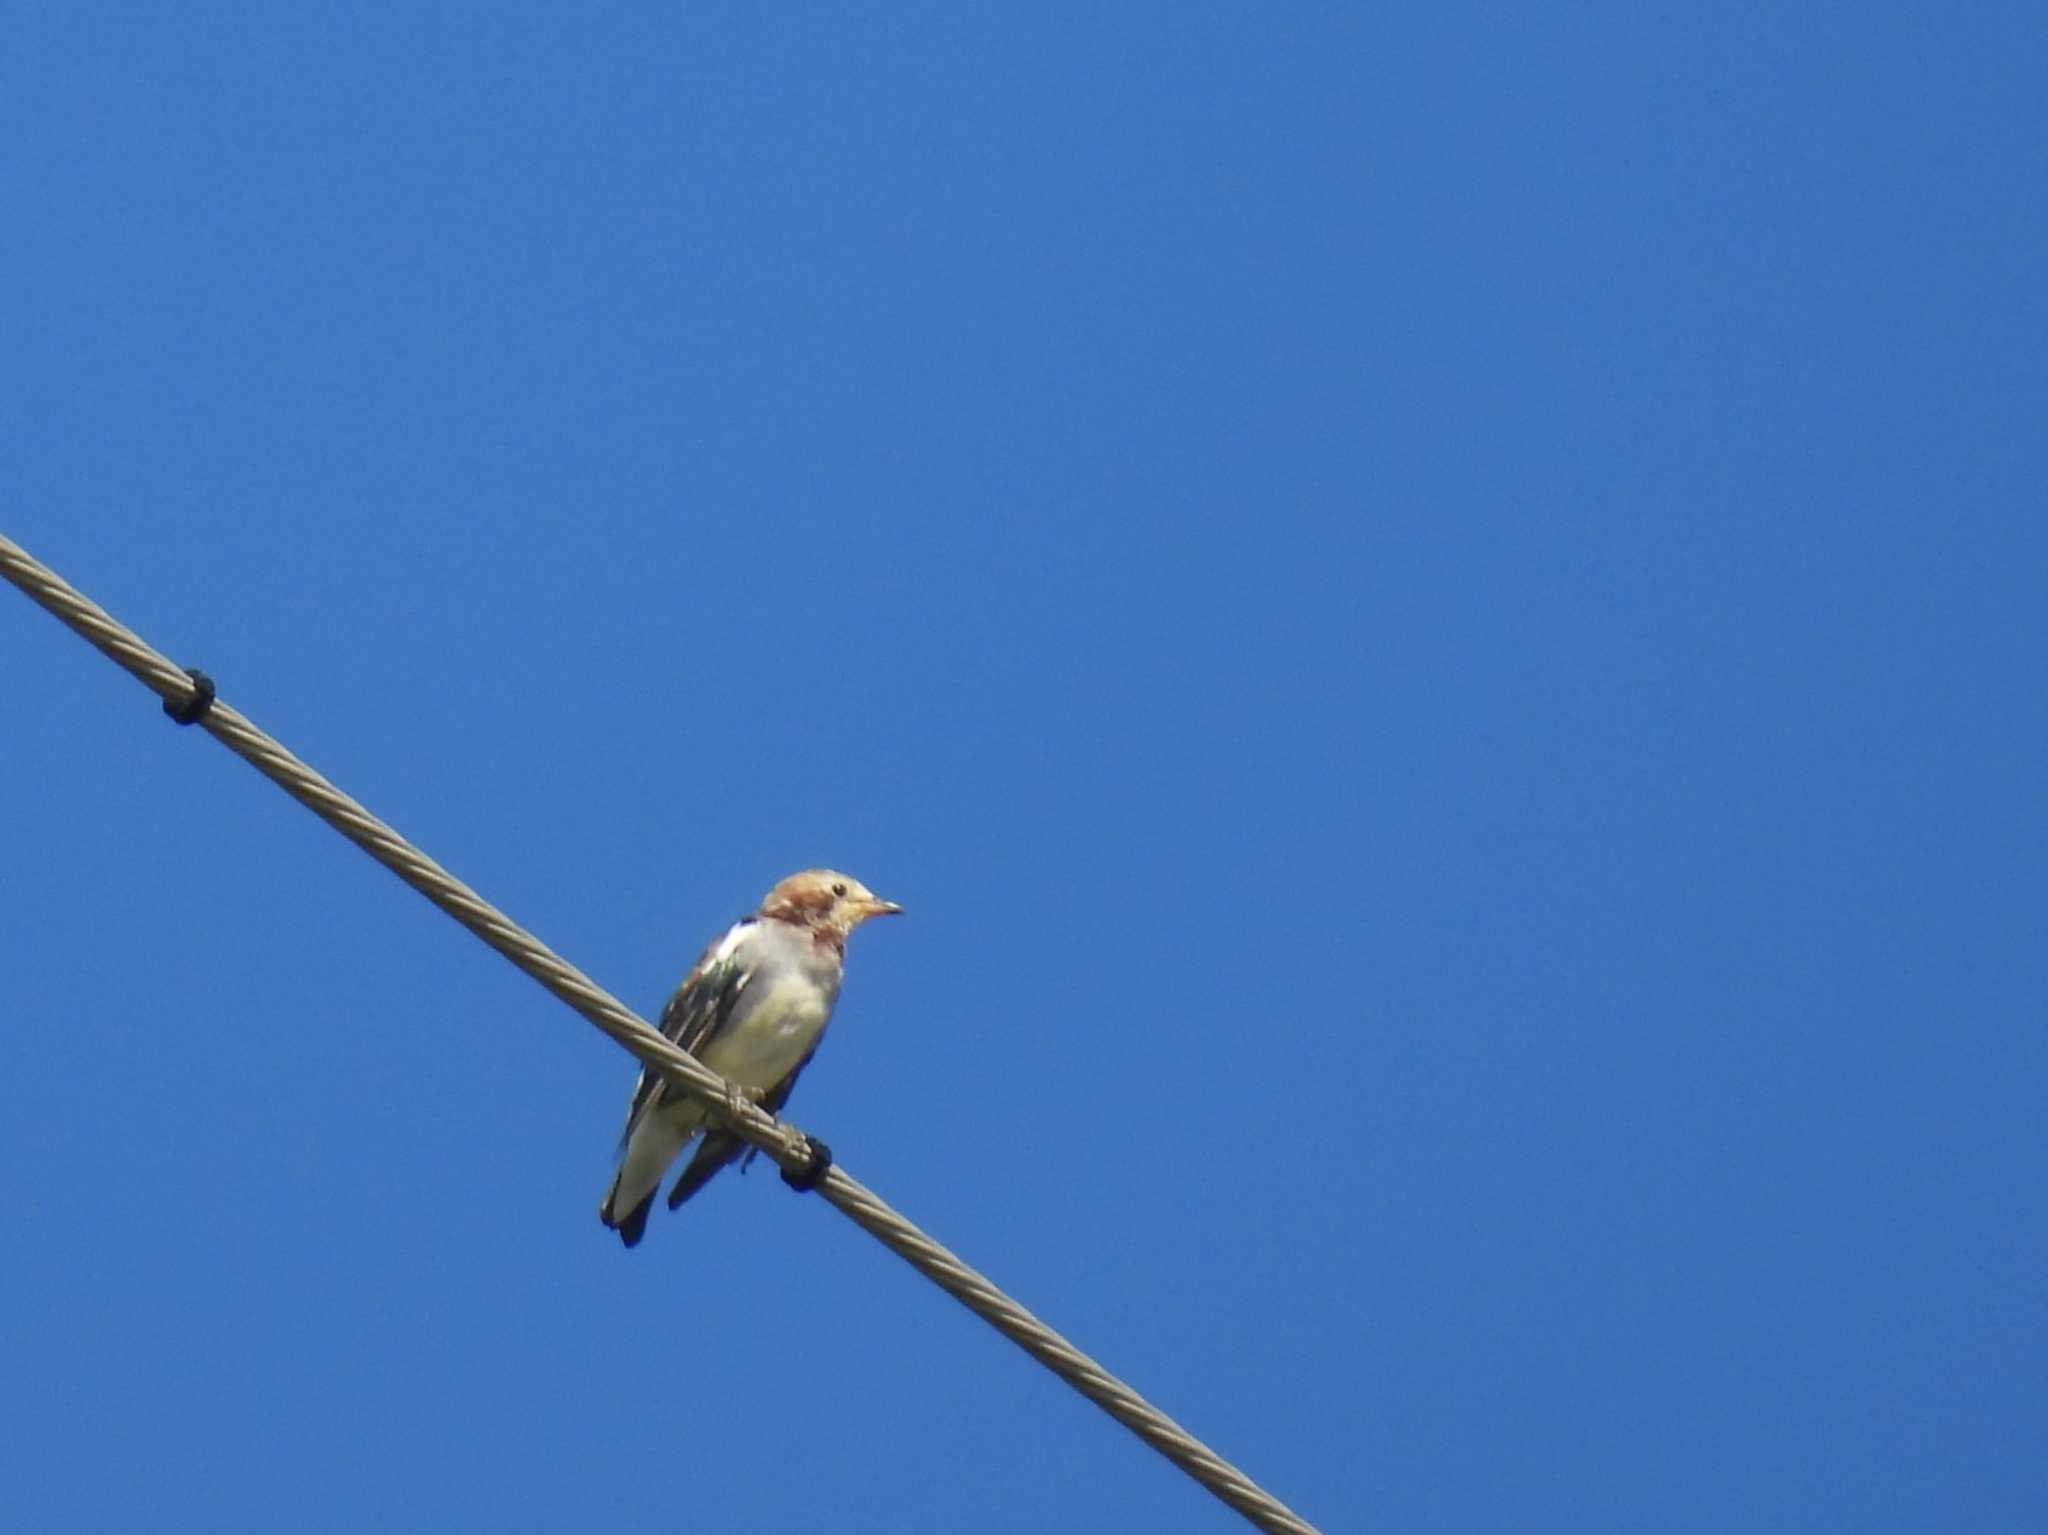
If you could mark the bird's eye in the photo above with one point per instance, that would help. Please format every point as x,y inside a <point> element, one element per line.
<point>839,889</point>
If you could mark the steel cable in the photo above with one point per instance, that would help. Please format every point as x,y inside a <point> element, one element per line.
<point>778,1139</point>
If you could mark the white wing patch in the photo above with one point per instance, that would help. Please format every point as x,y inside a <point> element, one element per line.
<point>729,945</point>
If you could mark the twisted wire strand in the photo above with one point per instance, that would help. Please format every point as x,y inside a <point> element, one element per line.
<point>777,1138</point>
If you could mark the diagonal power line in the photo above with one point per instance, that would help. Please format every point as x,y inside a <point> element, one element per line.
<point>779,1140</point>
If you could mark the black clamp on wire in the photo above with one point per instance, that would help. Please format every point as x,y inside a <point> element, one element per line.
<point>813,1174</point>
<point>193,709</point>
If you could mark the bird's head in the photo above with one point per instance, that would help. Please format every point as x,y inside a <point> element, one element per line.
<point>825,898</point>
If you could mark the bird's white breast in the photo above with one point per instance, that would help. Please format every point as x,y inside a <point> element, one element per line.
<point>778,1018</point>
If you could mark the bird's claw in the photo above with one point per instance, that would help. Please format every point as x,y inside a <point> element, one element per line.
<point>735,1095</point>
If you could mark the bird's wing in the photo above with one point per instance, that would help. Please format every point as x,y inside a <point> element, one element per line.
<point>701,1009</point>
<point>720,1147</point>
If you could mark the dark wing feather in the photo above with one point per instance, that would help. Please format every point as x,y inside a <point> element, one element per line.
<point>700,1010</point>
<point>719,1148</point>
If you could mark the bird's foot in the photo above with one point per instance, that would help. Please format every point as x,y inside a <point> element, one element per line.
<point>735,1095</point>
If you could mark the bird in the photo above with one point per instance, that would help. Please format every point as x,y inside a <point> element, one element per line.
<point>753,1009</point>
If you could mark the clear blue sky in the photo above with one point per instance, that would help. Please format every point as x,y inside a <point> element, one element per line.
<point>1437,613</point>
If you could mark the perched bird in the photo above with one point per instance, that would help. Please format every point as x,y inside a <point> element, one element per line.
<point>753,1009</point>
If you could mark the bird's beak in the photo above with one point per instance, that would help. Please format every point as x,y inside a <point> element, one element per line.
<point>881,908</point>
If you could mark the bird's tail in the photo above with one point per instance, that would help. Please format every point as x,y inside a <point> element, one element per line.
<point>718,1148</point>
<point>649,1150</point>
<point>632,1223</point>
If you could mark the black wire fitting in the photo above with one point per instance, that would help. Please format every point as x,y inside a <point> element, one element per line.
<point>813,1175</point>
<point>193,709</point>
